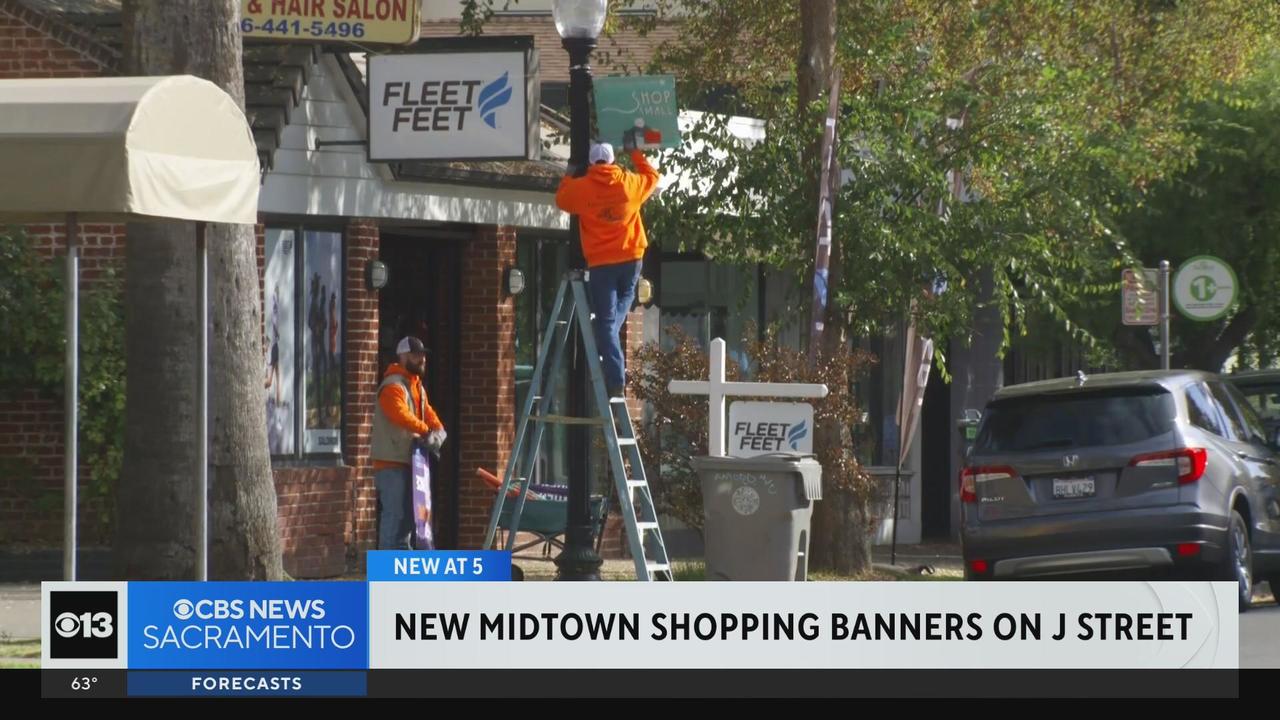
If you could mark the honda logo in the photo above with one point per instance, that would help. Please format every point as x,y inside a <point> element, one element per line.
<point>1070,460</point>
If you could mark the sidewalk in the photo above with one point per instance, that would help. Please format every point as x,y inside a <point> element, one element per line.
<point>19,612</point>
<point>942,558</point>
<point>20,602</point>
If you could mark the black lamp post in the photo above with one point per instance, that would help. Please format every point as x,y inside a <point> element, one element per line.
<point>579,23</point>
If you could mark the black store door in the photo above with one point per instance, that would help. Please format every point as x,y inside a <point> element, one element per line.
<point>422,298</point>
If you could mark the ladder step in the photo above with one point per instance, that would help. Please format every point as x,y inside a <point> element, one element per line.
<point>643,526</point>
<point>636,483</point>
<point>626,441</point>
<point>617,401</point>
<point>658,567</point>
<point>566,420</point>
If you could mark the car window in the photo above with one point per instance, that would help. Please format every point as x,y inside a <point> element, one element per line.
<point>1253,425</point>
<point>1263,398</point>
<point>1202,412</point>
<point>1230,414</point>
<point>1074,420</point>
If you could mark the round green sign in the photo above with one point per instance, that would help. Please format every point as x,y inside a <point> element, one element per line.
<point>1205,288</point>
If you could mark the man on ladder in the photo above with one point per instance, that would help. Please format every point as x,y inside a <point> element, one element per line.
<point>607,201</point>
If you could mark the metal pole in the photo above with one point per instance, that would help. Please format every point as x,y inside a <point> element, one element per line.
<point>70,457</point>
<point>1164,314</point>
<point>202,402</point>
<point>908,337</point>
<point>578,560</point>
<point>893,545</point>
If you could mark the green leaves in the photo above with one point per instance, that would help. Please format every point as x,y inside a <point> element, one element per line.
<point>33,353</point>
<point>1001,135</point>
<point>1225,202</point>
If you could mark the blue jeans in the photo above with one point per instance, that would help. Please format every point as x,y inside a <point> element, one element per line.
<point>395,514</point>
<point>612,289</point>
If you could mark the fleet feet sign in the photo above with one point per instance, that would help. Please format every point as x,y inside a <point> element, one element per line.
<point>453,106</point>
<point>760,428</point>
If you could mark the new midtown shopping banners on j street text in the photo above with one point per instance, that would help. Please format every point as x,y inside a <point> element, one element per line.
<point>451,624</point>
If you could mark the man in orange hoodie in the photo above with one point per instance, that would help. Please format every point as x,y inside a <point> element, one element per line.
<point>607,201</point>
<point>402,415</point>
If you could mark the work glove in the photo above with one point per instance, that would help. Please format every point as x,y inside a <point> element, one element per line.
<point>435,440</point>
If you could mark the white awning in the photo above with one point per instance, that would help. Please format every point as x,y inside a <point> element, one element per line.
<point>115,148</point>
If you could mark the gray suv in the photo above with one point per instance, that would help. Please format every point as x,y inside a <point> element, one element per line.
<point>1139,471</point>
<point>1262,389</point>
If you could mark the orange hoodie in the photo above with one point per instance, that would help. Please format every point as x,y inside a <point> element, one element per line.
<point>607,202</point>
<point>397,408</point>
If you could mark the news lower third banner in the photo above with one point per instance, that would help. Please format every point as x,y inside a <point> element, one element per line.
<point>451,624</point>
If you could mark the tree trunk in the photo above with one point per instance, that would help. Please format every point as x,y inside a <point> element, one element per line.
<point>157,496</point>
<point>1216,342</point>
<point>841,539</point>
<point>817,49</point>
<point>814,68</point>
<point>841,522</point>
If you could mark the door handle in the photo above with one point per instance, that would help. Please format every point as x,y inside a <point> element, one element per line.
<point>1246,456</point>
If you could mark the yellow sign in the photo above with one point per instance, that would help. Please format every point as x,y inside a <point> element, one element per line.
<point>394,22</point>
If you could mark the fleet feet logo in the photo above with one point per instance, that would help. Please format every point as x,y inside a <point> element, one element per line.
<point>797,433</point>
<point>493,96</point>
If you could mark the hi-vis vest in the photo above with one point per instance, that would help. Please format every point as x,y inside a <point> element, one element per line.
<point>390,442</point>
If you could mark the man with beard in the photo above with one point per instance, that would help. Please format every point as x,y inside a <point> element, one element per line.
<point>402,415</point>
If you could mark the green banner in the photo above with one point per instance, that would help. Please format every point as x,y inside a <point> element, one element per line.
<point>637,111</point>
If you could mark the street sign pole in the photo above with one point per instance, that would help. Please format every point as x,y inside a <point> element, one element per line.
<point>1164,314</point>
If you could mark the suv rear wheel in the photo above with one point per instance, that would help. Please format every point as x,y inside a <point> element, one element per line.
<point>1237,564</point>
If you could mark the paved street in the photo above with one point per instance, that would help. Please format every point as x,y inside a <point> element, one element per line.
<point>1260,637</point>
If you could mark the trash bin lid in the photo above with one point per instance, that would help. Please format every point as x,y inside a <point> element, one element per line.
<point>804,464</point>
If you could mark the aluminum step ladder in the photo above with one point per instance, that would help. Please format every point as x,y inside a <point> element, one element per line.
<point>571,312</point>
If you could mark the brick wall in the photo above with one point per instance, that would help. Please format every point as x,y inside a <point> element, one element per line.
<point>101,248</point>
<point>314,504</point>
<point>632,339</point>
<point>487,356</point>
<point>31,481</point>
<point>32,426</point>
<point>361,355</point>
<point>625,50</point>
<point>35,46</point>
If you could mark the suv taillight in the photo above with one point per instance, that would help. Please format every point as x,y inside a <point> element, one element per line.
<point>1190,462</point>
<point>971,476</point>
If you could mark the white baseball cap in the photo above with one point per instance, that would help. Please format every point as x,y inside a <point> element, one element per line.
<point>601,152</point>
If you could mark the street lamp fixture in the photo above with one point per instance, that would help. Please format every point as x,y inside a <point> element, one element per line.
<point>579,23</point>
<point>579,18</point>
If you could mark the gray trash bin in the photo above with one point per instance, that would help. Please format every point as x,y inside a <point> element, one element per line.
<point>756,512</point>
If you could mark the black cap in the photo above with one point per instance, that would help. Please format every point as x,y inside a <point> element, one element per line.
<point>410,344</point>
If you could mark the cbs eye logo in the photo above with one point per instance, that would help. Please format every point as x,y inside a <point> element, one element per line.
<point>83,625</point>
<point>184,609</point>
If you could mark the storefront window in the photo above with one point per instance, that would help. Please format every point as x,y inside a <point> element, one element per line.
<point>303,298</point>
<point>278,304</point>
<point>543,262</point>
<point>707,301</point>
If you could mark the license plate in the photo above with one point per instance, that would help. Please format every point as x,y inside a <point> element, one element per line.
<point>1073,488</point>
